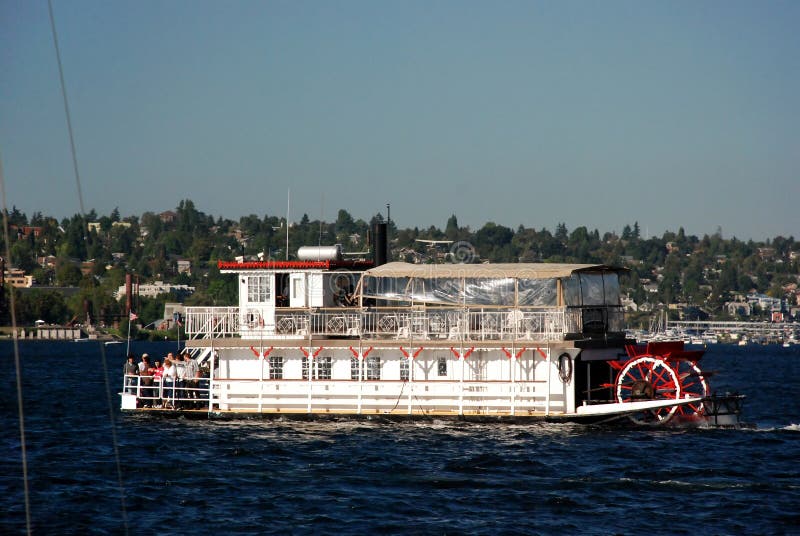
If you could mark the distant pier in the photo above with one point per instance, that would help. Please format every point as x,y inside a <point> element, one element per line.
<point>52,333</point>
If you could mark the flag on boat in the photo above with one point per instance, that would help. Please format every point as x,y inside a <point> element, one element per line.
<point>133,316</point>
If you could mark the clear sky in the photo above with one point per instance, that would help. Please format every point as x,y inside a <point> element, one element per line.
<point>676,113</point>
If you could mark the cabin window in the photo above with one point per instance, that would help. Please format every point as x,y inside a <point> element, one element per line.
<point>374,368</point>
<point>276,367</point>
<point>321,367</point>
<point>387,288</point>
<point>258,289</point>
<point>355,368</point>
<point>572,290</point>
<point>489,291</point>
<point>442,366</point>
<point>404,370</point>
<point>537,292</point>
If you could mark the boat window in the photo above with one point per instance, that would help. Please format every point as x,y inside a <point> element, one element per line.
<point>442,366</point>
<point>404,370</point>
<point>296,288</point>
<point>323,366</point>
<point>276,367</point>
<point>592,289</point>
<point>320,365</point>
<point>537,292</point>
<point>386,288</point>
<point>258,289</point>
<point>355,368</point>
<point>373,368</point>
<point>488,291</point>
<point>572,290</point>
<point>611,286</point>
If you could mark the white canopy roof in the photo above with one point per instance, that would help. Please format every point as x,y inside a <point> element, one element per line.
<point>485,271</point>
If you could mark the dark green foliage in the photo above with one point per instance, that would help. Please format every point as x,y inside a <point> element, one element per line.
<point>704,272</point>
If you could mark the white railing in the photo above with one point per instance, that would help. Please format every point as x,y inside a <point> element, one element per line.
<point>442,396</point>
<point>212,321</point>
<point>387,397</point>
<point>460,324</point>
<point>155,392</point>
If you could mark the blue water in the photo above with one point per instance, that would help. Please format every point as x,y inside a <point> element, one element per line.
<point>184,476</point>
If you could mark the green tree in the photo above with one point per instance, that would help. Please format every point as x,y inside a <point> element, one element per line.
<point>67,274</point>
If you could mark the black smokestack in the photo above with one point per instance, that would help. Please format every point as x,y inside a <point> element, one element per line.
<point>380,249</point>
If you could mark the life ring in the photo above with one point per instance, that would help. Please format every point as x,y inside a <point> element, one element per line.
<point>565,368</point>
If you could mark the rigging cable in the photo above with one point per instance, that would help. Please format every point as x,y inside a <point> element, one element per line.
<point>66,108</point>
<point>18,368</point>
<point>83,217</point>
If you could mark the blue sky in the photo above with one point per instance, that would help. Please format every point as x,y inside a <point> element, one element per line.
<point>680,113</point>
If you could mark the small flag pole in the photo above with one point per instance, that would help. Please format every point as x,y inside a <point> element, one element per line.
<point>128,349</point>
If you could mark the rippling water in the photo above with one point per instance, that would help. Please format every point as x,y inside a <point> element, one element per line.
<point>184,476</point>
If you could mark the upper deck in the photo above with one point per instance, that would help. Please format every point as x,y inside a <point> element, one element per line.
<point>399,301</point>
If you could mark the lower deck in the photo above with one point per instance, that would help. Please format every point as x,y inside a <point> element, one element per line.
<point>333,377</point>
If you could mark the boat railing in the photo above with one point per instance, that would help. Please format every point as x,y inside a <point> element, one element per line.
<point>212,322</point>
<point>156,392</point>
<point>594,320</point>
<point>450,396</point>
<point>386,397</point>
<point>415,322</point>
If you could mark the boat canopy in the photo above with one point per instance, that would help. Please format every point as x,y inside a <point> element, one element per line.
<point>522,284</point>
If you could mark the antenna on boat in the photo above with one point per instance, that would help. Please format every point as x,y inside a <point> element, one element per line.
<point>321,215</point>
<point>388,228</point>
<point>288,196</point>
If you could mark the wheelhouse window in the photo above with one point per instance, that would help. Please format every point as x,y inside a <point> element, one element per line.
<point>592,289</point>
<point>596,297</point>
<point>258,289</point>
<point>276,367</point>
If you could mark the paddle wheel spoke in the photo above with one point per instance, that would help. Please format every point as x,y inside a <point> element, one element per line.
<point>648,378</point>
<point>693,385</point>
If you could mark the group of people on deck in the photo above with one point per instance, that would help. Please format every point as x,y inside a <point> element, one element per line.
<point>175,384</point>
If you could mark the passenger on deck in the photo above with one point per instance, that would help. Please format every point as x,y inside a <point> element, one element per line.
<point>158,371</point>
<point>180,383</point>
<point>144,363</point>
<point>168,383</point>
<point>131,370</point>
<point>146,381</point>
<point>191,376</point>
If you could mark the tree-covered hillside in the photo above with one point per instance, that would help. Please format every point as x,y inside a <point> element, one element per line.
<point>93,253</point>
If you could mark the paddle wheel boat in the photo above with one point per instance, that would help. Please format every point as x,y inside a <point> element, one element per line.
<point>336,337</point>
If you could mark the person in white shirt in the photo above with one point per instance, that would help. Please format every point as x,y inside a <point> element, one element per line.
<point>168,382</point>
<point>190,375</point>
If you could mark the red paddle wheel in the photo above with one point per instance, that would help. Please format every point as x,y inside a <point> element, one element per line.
<point>661,371</point>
